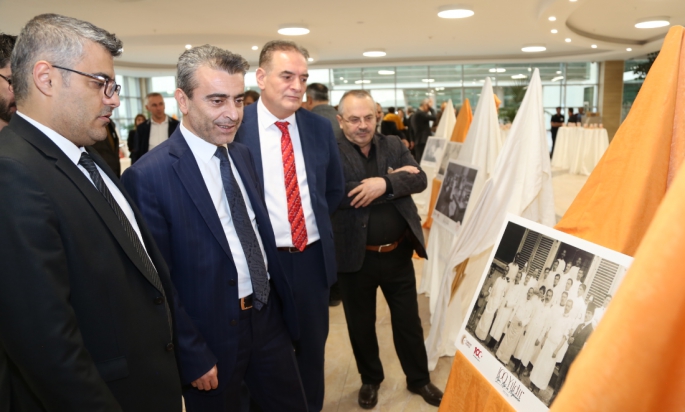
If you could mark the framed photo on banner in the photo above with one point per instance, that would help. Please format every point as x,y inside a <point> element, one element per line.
<point>451,152</point>
<point>539,299</point>
<point>454,195</point>
<point>433,151</point>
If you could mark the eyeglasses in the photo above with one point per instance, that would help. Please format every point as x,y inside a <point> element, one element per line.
<point>8,80</point>
<point>356,121</point>
<point>111,86</point>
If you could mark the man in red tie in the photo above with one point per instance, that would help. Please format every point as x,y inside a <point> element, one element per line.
<point>298,163</point>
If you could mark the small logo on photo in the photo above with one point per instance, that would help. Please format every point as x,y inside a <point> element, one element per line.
<point>477,353</point>
<point>465,341</point>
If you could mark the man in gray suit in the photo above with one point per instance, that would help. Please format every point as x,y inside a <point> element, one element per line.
<point>376,230</point>
<point>317,102</point>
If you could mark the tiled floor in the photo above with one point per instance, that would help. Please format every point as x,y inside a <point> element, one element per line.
<point>342,378</point>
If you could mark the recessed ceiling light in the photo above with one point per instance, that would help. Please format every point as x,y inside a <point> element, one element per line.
<point>497,70</point>
<point>557,78</point>
<point>310,59</point>
<point>534,48</point>
<point>455,11</point>
<point>594,46</point>
<point>558,71</point>
<point>345,81</point>
<point>386,72</point>
<point>567,40</point>
<point>255,47</point>
<point>530,70</point>
<point>555,31</point>
<point>428,80</point>
<point>374,53</point>
<point>629,49</point>
<point>361,81</point>
<point>189,46</point>
<point>293,30</point>
<point>652,23</point>
<point>573,1</point>
<point>342,78</point>
<point>519,76</point>
<point>552,18</point>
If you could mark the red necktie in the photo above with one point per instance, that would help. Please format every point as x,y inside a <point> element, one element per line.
<point>298,229</point>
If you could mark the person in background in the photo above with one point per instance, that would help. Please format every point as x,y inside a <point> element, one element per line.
<point>131,139</point>
<point>377,229</point>
<point>420,123</point>
<point>572,118</point>
<point>317,102</point>
<point>379,117</point>
<point>109,148</point>
<point>7,105</point>
<point>251,96</point>
<point>581,114</point>
<point>155,130</point>
<point>557,121</point>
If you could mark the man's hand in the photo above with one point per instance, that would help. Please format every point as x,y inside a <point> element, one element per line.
<point>408,168</point>
<point>208,381</point>
<point>406,142</point>
<point>369,190</point>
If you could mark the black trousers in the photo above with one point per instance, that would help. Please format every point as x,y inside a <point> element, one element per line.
<point>393,272</point>
<point>554,131</point>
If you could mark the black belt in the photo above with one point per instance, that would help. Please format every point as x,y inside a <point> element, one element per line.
<point>293,249</point>
<point>246,302</point>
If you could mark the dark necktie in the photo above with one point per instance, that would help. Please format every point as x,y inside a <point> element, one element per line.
<point>150,272</point>
<point>245,230</point>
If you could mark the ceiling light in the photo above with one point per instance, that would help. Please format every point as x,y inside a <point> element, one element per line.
<point>557,78</point>
<point>374,53</point>
<point>594,46</point>
<point>386,72</point>
<point>455,11</point>
<point>652,23</point>
<point>189,46</point>
<point>555,31</point>
<point>361,81</point>
<point>345,81</point>
<point>342,78</point>
<point>310,59</point>
<point>629,49</point>
<point>552,18</point>
<point>568,40</point>
<point>293,30</point>
<point>573,1</point>
<point>428,80</point>
<point>255,47</point>
<point>533,48</point>
<point>519,76</point>
<point>497,70</point>
<point>530,70</point>
<point>558,71</point>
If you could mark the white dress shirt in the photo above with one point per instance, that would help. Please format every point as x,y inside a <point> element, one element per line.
<point>159,132</point>
<point>73,152</point>
<point>274,181</point>
<point>211,173</point>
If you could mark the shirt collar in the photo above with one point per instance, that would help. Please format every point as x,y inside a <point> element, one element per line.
<point>267,119</point>
<point>72,151</point>
<point>201,148</point>
<point>166,121</point>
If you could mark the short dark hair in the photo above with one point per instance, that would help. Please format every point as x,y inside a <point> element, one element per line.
<point>360,94</point>
<point>391,110</point>
<point>6,45</point>
<point>570,109</point>
<point>253,94</point>
<point>558,108</point>
<point>57,39</point>
<point>317,92</point>
<point>279,45</point>
<point>206,55</point>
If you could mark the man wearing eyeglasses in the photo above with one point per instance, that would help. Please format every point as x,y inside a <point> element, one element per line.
<point>376,230</point>
<point>86,297</point>
<point>7,105</point>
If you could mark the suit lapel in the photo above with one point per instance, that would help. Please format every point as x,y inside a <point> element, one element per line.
<point>352,158</point>
<point>189,174</point>
<point>250,138</point>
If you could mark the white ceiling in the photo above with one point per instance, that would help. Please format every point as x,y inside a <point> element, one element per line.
<point>155,31</point>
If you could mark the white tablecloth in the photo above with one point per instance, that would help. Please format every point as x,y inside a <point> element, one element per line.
<point>579,149</point>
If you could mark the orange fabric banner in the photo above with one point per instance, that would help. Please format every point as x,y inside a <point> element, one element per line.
<point>616,205</point>
<point>461,128</point>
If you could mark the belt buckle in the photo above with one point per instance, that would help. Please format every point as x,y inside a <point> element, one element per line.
<point>382,246</point>
<point>242,304</point>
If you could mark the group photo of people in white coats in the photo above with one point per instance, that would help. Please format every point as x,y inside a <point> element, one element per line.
<point>538,304</point>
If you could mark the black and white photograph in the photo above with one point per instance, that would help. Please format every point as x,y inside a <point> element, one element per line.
<point>454,195</point>
<point>541,297</point>
<point>433,151</point>
<point>451,152</point>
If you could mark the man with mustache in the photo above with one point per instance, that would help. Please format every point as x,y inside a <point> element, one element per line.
<point>199,193</point>
<point>7,105</point>
<point>85,294</point>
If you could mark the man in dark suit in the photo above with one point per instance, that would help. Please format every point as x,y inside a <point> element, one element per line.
<point>296,149</point>
<point>200,196</point>
<point>155,130</point>
<point>377,229</point>
<point>575,343</point>
<point>108,149</point>
<point>85,294</point>
<point>420,123</point>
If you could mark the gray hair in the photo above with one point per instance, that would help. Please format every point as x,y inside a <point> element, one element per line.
<point>210,56</point>
<point>279,45</point>
<point>6,45</point>
<point>317,92</point>
<point>57,39</point>
<point>360,94</point>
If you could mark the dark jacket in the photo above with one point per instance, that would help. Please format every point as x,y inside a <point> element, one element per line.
<point>350,224</point>
<point>109,149</point>
<point>329,112</point>
<point>143,137</point>
<point>420,122</point>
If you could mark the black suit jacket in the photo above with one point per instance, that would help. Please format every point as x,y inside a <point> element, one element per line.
<point>142,137</point>
<point>350,224</point>
<point>109,151</point>
<point>420,122</point>
<point>81,329</point>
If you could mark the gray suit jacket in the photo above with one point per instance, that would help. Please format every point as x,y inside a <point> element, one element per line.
<point>350,224</point>
<point>329,112</point>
